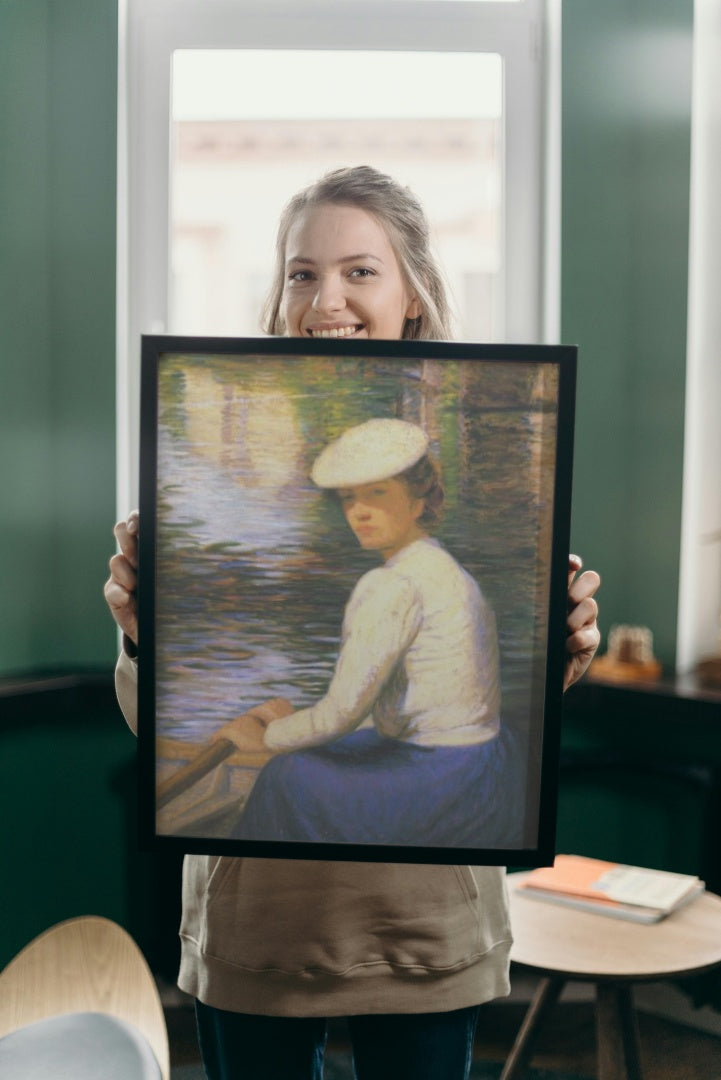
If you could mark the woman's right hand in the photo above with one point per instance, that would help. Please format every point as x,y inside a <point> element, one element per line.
<point>268,711</point>
<point>121,587</point>
<point>248,731</point>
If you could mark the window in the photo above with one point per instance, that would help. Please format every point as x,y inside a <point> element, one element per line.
<point>227,107</point>
<point>235,161</point>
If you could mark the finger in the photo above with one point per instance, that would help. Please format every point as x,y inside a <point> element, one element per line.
<point>575,563</point>
<point>583,641</point>
<point>123,572</point>
<point>121,604</point>
<point>584,613</point>
<point>127,543</point>
<point>278,707</point>
<point>265,713</point>
<point>123,608</point>
<point>261,713</point>
<point>126,534</point>
<point>585,585</point>
<point>245,731</point>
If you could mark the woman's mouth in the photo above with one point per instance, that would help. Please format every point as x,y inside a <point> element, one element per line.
<point>335,331</point>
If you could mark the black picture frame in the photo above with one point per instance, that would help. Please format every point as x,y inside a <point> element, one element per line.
<point>245,567</point>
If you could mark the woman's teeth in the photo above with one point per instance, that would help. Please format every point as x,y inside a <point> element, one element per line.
<point>337,331</point>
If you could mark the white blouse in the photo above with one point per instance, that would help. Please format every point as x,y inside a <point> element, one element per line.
<point>418,659</point>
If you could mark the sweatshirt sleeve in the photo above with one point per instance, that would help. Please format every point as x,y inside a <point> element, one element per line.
<point>382,619</point>
<point>126,688</point>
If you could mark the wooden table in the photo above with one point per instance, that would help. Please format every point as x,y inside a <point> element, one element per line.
<point>563,944</point>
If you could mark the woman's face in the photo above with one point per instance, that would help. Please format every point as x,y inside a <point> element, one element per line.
<point>383,516</point>
<point>342,277</point>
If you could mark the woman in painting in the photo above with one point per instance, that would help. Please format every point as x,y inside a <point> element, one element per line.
<point>272,948</point>
<point>404,747</point>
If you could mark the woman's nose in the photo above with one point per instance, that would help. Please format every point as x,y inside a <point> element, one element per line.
<point>329,295</point>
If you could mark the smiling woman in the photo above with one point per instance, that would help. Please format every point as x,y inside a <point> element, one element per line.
<point>353,259</point>
<point>337,257</point>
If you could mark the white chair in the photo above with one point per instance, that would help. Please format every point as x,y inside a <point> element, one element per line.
<point>80,1002</point>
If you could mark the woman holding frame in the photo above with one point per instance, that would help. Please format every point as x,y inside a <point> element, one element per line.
<point>272,948</point>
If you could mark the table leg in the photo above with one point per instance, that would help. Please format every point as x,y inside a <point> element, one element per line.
<point>545,997</point>
<point>617,1033</point>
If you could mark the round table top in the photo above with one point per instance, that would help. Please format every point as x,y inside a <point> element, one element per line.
<point>559,940</point>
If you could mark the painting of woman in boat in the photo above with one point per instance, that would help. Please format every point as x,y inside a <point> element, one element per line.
<point>405,747</point>
<point>369,571</point>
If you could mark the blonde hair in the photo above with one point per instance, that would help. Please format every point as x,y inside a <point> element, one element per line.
<point>403,217</point>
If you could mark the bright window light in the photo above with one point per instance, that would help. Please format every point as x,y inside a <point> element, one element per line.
<point>434,121</point>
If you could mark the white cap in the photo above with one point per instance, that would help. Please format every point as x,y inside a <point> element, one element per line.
<point>375,450</point>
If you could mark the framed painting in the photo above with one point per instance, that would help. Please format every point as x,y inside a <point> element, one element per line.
<point>352,597</point>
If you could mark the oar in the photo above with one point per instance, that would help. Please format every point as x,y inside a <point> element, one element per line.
<point>214,753</point>
<point>189,774</point>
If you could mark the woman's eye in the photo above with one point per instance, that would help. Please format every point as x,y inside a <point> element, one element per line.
<point>362,272</point>
<point>300,276</point>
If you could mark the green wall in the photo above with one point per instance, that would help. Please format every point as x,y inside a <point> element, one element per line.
<point>58,72</point>
<point>626,145</point>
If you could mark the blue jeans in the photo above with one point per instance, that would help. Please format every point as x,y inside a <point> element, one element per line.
<point>414,1046</point>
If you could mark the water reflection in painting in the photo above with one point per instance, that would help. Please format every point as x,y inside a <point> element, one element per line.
<point>255,565</point>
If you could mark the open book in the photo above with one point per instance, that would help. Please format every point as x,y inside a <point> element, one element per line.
<point>608,888</point>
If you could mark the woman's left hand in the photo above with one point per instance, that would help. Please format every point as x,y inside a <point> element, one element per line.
<point>583,635</point>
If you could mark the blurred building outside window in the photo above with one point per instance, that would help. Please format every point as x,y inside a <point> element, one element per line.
<point>235,163</point>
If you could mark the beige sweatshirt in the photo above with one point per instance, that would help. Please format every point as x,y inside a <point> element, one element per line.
<point>287,937</point>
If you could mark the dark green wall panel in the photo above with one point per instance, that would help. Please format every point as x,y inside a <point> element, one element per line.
<point>26,394</point>
<point>58,77</point>
<point>626,145</point>
<point>68,800</point>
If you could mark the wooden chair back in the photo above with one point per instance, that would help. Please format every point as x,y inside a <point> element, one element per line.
<point>87,964</point>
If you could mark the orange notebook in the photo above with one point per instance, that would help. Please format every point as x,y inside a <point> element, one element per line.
<point>632,892</point>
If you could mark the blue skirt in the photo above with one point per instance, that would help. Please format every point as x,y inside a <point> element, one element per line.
<point>364,788</point>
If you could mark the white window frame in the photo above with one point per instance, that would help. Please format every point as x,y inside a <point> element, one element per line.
<point>699,597</point>
<point>526,34</point>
